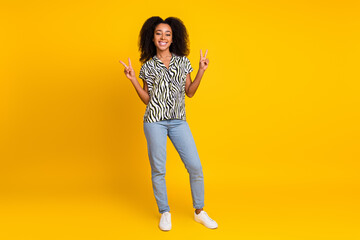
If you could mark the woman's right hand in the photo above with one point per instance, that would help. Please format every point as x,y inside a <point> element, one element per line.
<point>129,71</point>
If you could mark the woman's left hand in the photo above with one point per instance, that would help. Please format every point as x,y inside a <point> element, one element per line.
<point>204,62</point>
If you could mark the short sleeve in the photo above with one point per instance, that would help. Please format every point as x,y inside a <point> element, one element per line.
<point>142,73</point>
<point>188,67</point>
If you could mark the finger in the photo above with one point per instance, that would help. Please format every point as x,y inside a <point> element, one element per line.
<point>123,63</point>
<point>129,62</point>
<point>201,54</point>
<point>206,53</point>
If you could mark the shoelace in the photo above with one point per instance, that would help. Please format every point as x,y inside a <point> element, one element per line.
<point>167,218</point>
<point>205,213</point>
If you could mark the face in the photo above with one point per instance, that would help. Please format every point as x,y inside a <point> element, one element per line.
<point>162,36</point>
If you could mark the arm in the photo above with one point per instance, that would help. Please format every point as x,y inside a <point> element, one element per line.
<point>191,87</point>
<point>142,92</point>
<point>130,74</point>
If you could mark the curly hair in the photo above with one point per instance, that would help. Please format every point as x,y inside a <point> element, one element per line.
<point>180,37</point>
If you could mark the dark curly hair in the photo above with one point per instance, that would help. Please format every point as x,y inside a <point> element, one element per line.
<point>180,38</point>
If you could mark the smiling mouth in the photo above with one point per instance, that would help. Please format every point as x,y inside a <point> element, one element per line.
<point>162,43</point>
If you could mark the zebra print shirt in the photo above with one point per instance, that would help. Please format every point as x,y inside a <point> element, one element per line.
<point>166,88</point>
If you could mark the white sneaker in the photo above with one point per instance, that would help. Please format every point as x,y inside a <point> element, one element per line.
<point>204,219</point>
<point>165,221</point>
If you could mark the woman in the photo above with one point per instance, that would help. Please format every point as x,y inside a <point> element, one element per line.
<point>166,78</point>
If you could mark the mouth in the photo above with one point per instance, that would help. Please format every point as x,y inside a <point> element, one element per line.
<point>162,43</point>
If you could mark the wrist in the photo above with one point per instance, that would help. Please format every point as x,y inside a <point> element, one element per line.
<point>202,71</point>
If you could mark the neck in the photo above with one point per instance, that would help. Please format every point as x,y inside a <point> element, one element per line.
<point>163,54</point>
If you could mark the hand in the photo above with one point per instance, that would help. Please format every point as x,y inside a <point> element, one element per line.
<point>129,71</point>
<point>204,62</point>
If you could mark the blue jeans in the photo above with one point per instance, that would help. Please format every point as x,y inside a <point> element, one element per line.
<point>180,135</point>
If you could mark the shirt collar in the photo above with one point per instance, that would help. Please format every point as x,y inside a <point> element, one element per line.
<point>171,60</point>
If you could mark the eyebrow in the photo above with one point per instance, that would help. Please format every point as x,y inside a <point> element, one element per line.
<point>165,31</point>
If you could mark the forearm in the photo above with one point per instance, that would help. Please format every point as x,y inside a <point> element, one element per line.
<point>144,96</point>
<point>195,84</point>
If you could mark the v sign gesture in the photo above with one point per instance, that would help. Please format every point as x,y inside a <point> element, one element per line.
<point>192,86</point>
<point>130,74</point>
<point>129,71</point>
<point>204,62</point>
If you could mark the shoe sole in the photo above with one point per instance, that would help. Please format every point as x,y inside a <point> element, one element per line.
<point>196,220</point>
<point>165,230</point>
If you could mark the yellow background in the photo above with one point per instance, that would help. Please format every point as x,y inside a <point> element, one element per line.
<point>275,119</point>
